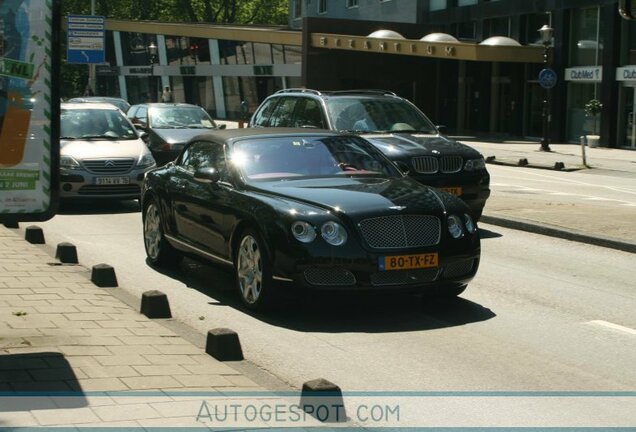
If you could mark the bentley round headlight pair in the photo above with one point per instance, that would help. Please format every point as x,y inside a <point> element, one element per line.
<point>456,226</point>
<point>332,232</point>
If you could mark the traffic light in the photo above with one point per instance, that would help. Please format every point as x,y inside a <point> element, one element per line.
<point>194,51</point>
<point>626,9</point>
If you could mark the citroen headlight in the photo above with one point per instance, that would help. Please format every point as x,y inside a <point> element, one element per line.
<point>475,164</point>
<point>470,224</point>
<point>145,160</point>
<point>334,233</point>
<point>68,162</point>
<point>303,232</point>
<point>455,226</point>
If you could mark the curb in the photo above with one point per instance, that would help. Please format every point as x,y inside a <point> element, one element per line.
<point>523,163</point>
<point>548,230</point>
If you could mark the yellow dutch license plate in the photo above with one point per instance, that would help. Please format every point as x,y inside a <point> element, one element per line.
<point>408,262</point>
<point>457,190</point>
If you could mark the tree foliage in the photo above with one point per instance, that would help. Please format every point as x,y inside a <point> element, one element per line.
<point>195,11</point>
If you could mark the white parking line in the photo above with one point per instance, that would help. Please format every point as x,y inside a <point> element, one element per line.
<point>613,326</point>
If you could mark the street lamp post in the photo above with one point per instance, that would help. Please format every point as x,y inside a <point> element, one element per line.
<point>152,52</point>
<point>546,37</point>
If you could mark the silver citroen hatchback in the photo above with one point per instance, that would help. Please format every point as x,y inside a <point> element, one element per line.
<point>102,155</point>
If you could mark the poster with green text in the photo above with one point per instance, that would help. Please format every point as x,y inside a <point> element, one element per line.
<point>29,109</point>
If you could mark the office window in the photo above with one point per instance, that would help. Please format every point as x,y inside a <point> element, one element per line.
<point>466,2</point>
<point>322,6</point>
<point>586,47</point>
<point>298,8</point>
<point>436,5</point>
<point>352,3</point>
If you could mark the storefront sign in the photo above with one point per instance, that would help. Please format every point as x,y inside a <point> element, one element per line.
<point>29,109</point>
<point>627,73</point>
<point>585,74</point>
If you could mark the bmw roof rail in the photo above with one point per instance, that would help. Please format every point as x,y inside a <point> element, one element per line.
<point>363,91</point>
<point>299,90</point>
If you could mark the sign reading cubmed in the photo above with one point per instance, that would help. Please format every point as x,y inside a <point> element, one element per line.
<point>29,109</point>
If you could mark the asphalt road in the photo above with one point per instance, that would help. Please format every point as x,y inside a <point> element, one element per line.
<point>542,314</point>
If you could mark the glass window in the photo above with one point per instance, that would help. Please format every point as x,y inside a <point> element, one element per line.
<point>298,8</point>
<point>282,116</point>
<point>352,3</point>
<point>628,54</point>
<point>497,27</point>
<point>135,48</point>
<point>278,53</point>
<point>322,6</point>
<point>96,124</point>
<point>293,54</point>
<point>309,114</point>
<point>586,37</point>
<point>180,117</point>
<point>437,5</point>
<point>466,30</point>
<point>466,2</point>
<point>533,23</point>
<point>262,53</point>
<point>263,115</point>
<point>204,154</point>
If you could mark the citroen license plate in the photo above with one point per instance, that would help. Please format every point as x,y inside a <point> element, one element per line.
<point>109,181</point>
<point>408,262</point>
<point>456,190</point>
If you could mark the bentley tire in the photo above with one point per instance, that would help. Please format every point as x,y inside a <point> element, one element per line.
<point>159,251</point>
<point>253,272</point>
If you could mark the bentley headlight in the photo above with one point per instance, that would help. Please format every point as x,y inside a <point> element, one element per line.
<point>470,225</point>
<point>68,162</point>
<point>334,233</point>
<point>303,231</point>
<point>475,164</point>
<point>455,226</point>
<point>146,160</point>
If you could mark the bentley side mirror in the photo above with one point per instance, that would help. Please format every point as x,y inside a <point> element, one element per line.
<point>207,175</point>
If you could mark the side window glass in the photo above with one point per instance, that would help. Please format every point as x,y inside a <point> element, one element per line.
<point>204,154</point>
<point>282,116</point>
<point>131,112</point>
<point>142,115</point>
<point>263,116</point>
<point>310,115</point>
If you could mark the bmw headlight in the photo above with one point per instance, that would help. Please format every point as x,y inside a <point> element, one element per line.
<point>68,162</point>
<point>475,164</point>
<point>470,224</point>
<point>303,232</point>
<point>455,226</point>
<point>334,233</point>
<point>145,160</point>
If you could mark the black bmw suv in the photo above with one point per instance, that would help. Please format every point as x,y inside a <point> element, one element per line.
<point>395,126</point>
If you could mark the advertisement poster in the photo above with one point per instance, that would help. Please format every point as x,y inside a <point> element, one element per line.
<point>29,109</point>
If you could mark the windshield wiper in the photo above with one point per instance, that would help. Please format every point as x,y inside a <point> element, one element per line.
<point>68,138</point>
<point>110,137</point>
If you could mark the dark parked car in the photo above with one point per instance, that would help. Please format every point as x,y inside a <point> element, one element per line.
<point>120,103</point>
<point>318,209</point>
<point>170,126</point>
<point>395,126</point>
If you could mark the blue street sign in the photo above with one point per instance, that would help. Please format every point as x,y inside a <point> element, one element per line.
<point>85,39</point>
<point>547,78</point>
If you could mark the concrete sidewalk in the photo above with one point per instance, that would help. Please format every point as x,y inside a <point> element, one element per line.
<point>83,355</point>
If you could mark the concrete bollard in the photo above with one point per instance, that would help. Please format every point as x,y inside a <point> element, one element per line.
<point>66,253</point>
<point>154,304</point>
<point>34,235</point>
<point>522,162</point>
<point>104,276</point>
<point>559,166</point>
<point>323,400</point>
<point>11,224</point>
<point>224,345</point>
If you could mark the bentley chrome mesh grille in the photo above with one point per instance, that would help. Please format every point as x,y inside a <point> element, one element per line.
<point>329,277</point>
<point>401,231</point>
<point>458,269</point>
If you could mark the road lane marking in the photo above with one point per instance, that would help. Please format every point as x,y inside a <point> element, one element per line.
<point>613,326</point>
<point>548,192</point>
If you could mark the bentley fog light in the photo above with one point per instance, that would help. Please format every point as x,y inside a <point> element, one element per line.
<point>475,164</point>
<point>303,231</point>
<point>455,226</point>
<point>470,225</point>
<point>334,233</point>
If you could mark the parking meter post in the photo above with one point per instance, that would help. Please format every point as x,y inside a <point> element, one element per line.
<point>583,144</point>
<point>243,119</point>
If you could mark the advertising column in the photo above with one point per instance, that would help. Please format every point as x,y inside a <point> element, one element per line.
<point>29,109</point>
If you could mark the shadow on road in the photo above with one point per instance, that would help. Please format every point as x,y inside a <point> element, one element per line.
<point>485,234</point>
<point>88,207</point>
<point>335,312</point>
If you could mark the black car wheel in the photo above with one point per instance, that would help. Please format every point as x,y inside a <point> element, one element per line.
<point>158,250</point>
<point>253,271</point>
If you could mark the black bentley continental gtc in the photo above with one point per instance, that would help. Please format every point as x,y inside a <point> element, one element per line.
<point>313,208</point>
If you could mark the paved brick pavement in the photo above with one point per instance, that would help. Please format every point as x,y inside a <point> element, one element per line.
<point>84,355</point>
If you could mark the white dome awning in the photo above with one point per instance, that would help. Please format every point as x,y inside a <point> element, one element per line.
<point>500,41</point>
<point>385,34</point>
<point>439,37</point>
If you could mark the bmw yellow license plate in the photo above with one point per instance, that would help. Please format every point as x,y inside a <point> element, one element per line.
<point>457,190</point>
<point>408,262</point>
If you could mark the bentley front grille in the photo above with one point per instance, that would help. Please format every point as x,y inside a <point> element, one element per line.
<point>458,269</point>
<point>401,231</point>
<point>329,277</point>
<point>108,166</point>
